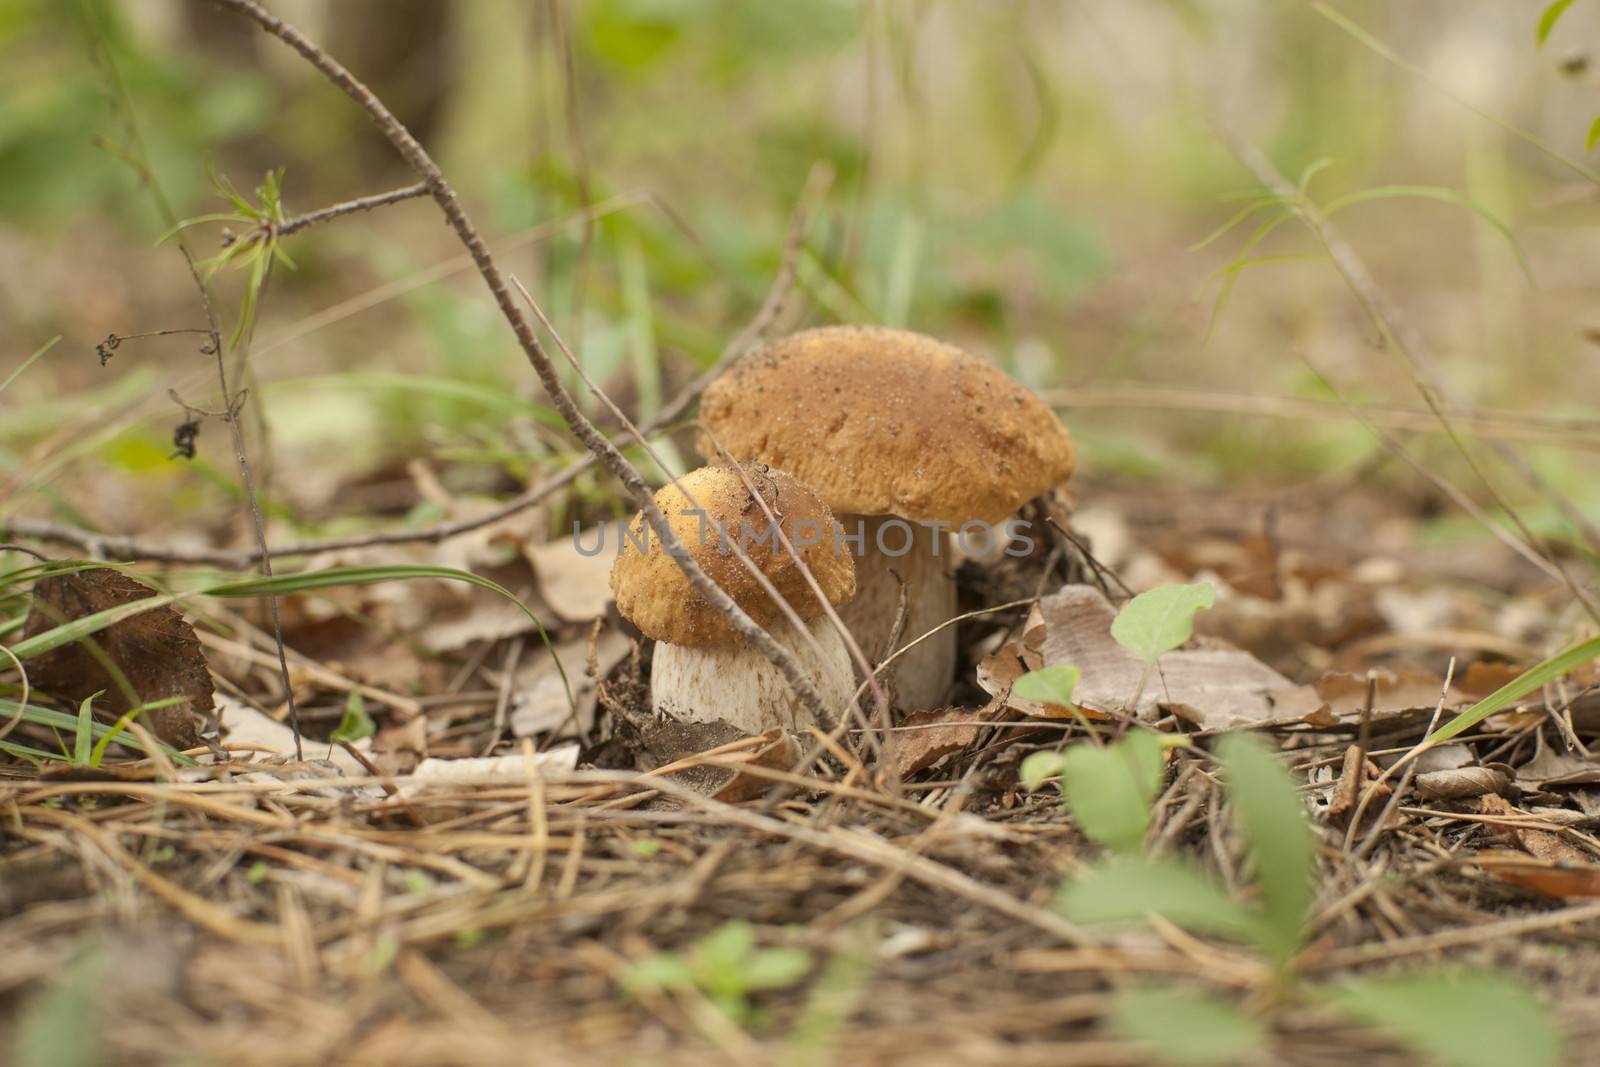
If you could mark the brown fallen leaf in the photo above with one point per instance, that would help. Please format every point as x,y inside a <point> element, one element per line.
<point>575,583</point>
<point>150,656</point>
<point>926,737</point>
<point>1350,785</point>
<point>1214,688</point>
<point>998,672</point>
<point>1461,783</point>
<point>777,753</point>
<point>1397,693</point>
<point>1540,844</point>
<point>1560,880</point>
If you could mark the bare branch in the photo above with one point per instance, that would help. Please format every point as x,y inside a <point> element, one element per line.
<point>350,207</point>
<point>120,547</point>
<point>425,168</point>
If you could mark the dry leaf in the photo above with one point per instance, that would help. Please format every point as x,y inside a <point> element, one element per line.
<point>1216,689</point>
<point>1541,844</point>
<point>1558,882</point>
<point>255,736</point>
<point>539,699</point>
<point>577,585</point>
<point>1398,693</point>
<point>926,737</point>
<point>513,768</point>
<point>1460,783</point>
<point>778,752</point>
<point>151,656</point>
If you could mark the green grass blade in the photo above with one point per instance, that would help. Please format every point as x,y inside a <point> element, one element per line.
<point>84,732</point>
<point>1442,194</point>
<point>60,720</point>
<point>280,584</point>
<point>1535,677</point>
<point>38,354</point>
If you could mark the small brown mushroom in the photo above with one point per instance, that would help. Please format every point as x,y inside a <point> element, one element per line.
<point>906,439</point>
<point>703,670</point>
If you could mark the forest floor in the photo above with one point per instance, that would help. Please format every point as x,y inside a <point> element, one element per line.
<point>386,903</point>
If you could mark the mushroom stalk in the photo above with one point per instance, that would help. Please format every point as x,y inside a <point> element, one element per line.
<point>747,691</point>
<point>893,551</point>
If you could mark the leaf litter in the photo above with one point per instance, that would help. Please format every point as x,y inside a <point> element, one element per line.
<point>576,848</point>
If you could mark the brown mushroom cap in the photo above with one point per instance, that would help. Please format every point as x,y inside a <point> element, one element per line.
<point>889,422</point>
<point>653,593</point>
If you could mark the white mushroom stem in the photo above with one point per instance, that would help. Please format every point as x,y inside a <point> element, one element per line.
<point>741,686</point>
<point>893,551</point>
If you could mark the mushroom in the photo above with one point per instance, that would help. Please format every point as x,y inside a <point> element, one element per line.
<point>906,439</point>
<point>703,670</point>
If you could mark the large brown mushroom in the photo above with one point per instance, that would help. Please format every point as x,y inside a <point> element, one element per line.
<point>703,670</point>
<point>906,439</point>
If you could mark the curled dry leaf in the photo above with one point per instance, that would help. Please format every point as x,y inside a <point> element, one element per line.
<point>777,752</point>
<point>150,656</point>
<point>1460,783</point>
<point>1356,775</point>
<point>1545,845</point>
<point>926,737</point>
<point>1213,688</point>
<point>998,672</point>
<point>253,736</point>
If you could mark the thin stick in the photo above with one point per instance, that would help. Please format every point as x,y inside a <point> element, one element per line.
<point>444,195</point>
<point>231,402</point>
<point>1413,349</point>
<point>350,207</point>
<point>120,547</point>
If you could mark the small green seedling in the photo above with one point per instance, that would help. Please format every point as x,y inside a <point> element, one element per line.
<point>1108,790</point>
<point>1159,620</point>
<point>725,965</point>
<point>355,723</point>
<point>1451,1017</point>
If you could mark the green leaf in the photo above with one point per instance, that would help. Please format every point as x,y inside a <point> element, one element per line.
<point>83,739</point>
<point>1052,685</point>
<point>1185,1027</point>
<point>1109,790</point>
<point>1593,136</point>
<point>53,1028</point>
<point>727,945</point>
<point>665,970</point>
<point>1159,620</point>
<point>1458,1018</point>
<point>1272,817</point>
<point>355,723</point>
<point>1535,677</point>
<point>1548,19</point>
<point>1130,889</point>
<point>775,968</point>
<point>1037,767</point>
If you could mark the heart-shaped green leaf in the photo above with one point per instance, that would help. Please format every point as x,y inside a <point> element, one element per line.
<point>1052,685</point>
<point>1159,620</point>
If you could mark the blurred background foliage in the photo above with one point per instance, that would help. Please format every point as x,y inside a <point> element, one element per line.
<point>1026,178</point>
